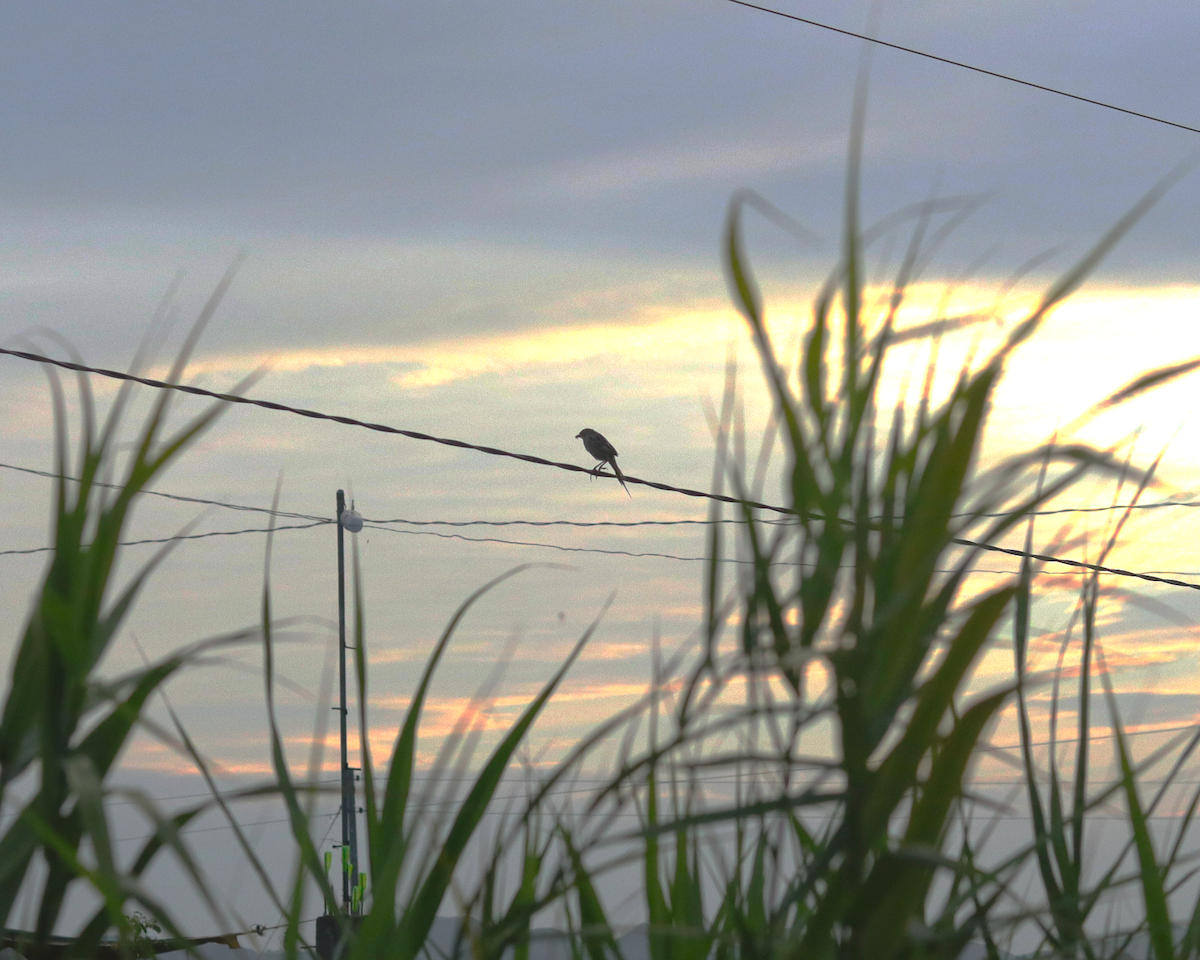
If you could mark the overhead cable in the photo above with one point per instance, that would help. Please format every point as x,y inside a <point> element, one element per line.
<point>168,496</point>
<point>540,461</point>
<point>1078,564</point>
<point>1056,511</point>
<point>445,536</point>
<point>366,425</point>
<point>616,553</point>
<point>736,521</point>
<point>967,66</point>
<point>182,536</point>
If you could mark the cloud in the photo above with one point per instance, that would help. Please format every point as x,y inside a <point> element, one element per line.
<point>675,165</point>
<point>577,692</point>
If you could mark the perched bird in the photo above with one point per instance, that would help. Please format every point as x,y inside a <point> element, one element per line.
<point>602,450</point>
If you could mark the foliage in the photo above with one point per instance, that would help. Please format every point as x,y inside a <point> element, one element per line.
<point>832,690</point>
<point>63,729</point>
<point>141,928</point>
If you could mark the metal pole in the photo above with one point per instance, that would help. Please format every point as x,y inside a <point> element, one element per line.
<point>349,816</point>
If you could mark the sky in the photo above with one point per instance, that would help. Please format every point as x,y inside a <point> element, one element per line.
<point>501,223</point>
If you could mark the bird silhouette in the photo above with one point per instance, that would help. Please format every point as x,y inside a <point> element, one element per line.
<point>602,450</point>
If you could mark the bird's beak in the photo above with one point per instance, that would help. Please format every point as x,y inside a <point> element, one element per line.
<point>578,435</point>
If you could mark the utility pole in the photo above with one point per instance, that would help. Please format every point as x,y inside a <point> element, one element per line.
<point>347,520</point>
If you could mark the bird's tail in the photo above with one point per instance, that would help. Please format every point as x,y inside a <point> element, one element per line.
<point>620,476</point>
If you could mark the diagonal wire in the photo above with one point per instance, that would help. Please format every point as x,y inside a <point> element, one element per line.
<point>1079,564</point>
<point>185,536</point>
<point>1108,508</point>
<point>367,425</point>
<point>457,536</point>
<point>1055,511</point>
<point>170,496</point>
<point>540,461</point>
<point>967,66</point>
<point>627,553</point>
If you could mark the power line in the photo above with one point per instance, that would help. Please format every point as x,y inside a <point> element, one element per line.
<point>968,66</point>
<point>568,523</point>
<point>1078,564</point>
<point>560,523</point>
<point>415,533</point>
<point>540,461</point>
<point>169,496</point>
<point>534,543</point>
<point>1116,506</point>
<point>1060,741</point>
<point>626,553</point>
<point>1056,511</point>
<point>617,553</point>
<point>182,536</point>
<point>376,427</point>
<point>430,533</point>
<point>647,554</point>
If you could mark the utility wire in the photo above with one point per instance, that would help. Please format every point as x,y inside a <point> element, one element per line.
<point>788,522</point>
<point>968,66</point>
<point>555,546</point>
<point>183,536</point>
<point>444,536</point>
<point>1060,741</point>
<point>431,533</point>
<point>169,496</point>
<point>377,427</point>
<point>625,553</point>
<point>560,523</point>
<point>565,523</point>
<point>540,461</point>
<point>1078,564</point>
<point>534,543</point>
<point>1116,506</point>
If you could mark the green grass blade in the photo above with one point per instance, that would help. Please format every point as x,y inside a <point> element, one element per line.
<point>598,939</point>
<point>893,895</point>
<point>1154,898</point>
<point>387,839</point>
<point>898,770</point>
<point>418,918</point>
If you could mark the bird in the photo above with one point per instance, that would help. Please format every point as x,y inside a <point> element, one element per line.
<point>602,450</point>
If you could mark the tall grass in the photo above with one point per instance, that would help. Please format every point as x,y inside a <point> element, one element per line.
<point>63,728</point>
<point>832,689</point>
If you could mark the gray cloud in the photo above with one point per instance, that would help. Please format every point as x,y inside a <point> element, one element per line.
<point>589,128</point>
<point>402,173</point>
